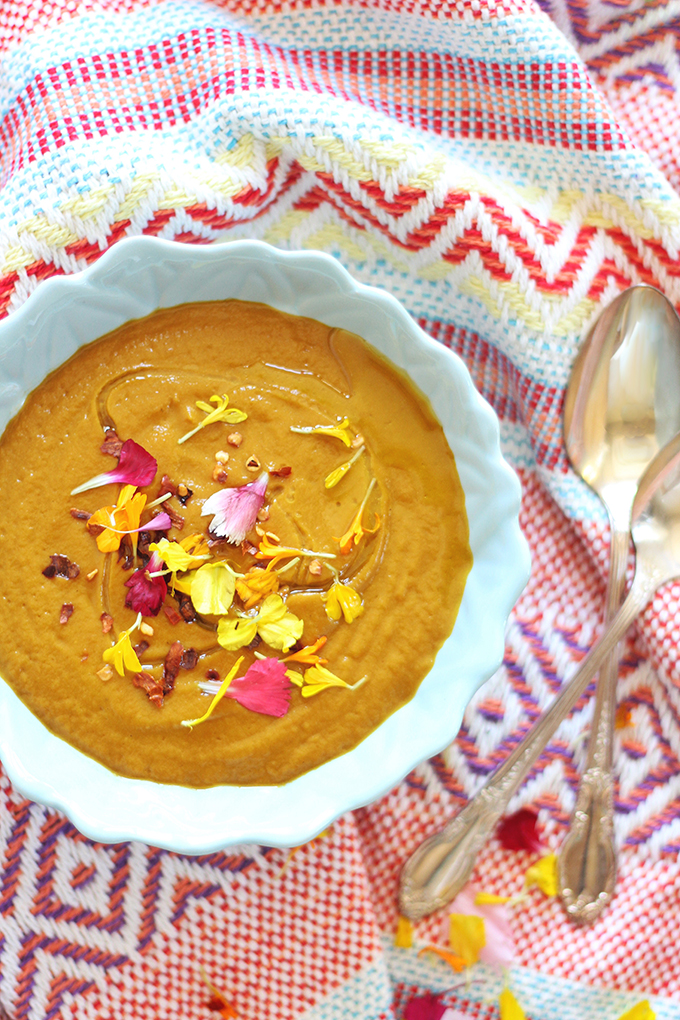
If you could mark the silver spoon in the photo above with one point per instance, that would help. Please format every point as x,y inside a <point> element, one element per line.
<point>619,411</point>
<point>441,866</point>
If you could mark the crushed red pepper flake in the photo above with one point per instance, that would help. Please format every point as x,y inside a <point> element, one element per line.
<point>80,515</point>
<point>112,444</point>
<point>171,666</point>
<point>189,659</point>
<point>173,616</point>
<point>282,472</point>
<point>151,687</point>
<point>107,623</point>
<point>140,648</point>
<point>66,613</point>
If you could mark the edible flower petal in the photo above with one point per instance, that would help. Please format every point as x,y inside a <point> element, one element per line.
<point>467,936</point>
<point>255,585</point>
<point>135,467</point>
<point>122,654</point>
<point>197,546</point>
<point>218,697</point>
<point>544,874</point>
<point>146,594</point>
<point>234,634</point>
<point>342,600</point>
<point>332,479</point>
<point>175,555</point>
<point>264,688</point>
<point>235,510</point>
<point>269,548</point>
<point>221,412</point>
<point>308,654</point>
<point>212,588</point>
<point>356,531</point>
<point>341,431</point>
<point>118,520</point>
<point>276,626</point>
<point>318,678</point>
<point>509,1007</point>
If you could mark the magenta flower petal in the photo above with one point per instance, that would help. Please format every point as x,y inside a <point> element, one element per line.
<point>235,510</point>
<point>519,831</point>
<point>424,1007</point>
<point>135,467</point>
<point>161,522</point>
<point>264,688</point>
<point>146,594</point>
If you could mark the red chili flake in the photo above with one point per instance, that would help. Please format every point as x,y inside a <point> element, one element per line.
<point>177,519</point>
<point>112,444</point>
<point>212,674</point>
<point>519,832</point>
<point>141,648</point>
<point>247,548</point>
<point>66,612</point>
<point>282,472</point>
<point>167,485</point>
<point>107,623</point>
<point>189,659</point>
<point>152,688</point>
<point>80,515</point>
<point>171,666</point>
<point>173,616</point>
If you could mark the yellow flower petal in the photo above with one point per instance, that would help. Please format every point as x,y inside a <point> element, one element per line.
<point>276,626</point>
<point>116,520</point>
<point>342,600</point>
<point>212,588</point>
<point>642,1011</point>
<point>218,697</point>
<point>403,937</point>
<point>341,431</point>
<point>254,585</point>
<point>175,556</point>
<point>318,678</point>
<point>332,479</point>
<point>467,936</point>
<point>221,412</point>
<point>482,898</point>
<point>233,634</point>
<point>122,654</point>
<point>544,874</point>
<point>510,1008</point>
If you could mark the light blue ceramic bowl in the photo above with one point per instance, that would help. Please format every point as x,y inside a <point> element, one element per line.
<point>137,276</point>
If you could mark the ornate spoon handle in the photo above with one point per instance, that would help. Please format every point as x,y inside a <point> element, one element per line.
<point>442,865</point>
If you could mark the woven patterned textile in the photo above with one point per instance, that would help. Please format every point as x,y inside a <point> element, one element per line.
<point>505,168</point>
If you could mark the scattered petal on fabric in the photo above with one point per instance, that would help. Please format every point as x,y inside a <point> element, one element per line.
<point>499,950</point>
<point>509,1007</point>
<point>341,431</point>
<point>641,1011</point>
<point>424,1007</point>
<point>467,936</point>
<point>403,937</point>
<point>235,510</point>
<point>519,832</point>
<point>623,718</point>
<point>212,588</point>
<point>122,654</point>
<point>457,963</point>
<point>265,688</point>
<point>342,600</point>
<point>190,723</point>
<point>146,594</point>
<point>544,874</point>
<point>221,412</point>
<point>218,1003</point>
<point>135,467</point>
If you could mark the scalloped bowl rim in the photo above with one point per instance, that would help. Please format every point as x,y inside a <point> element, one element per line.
<point>133,278</point>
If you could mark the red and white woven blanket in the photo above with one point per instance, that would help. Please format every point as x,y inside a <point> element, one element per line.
<point>505,168</point>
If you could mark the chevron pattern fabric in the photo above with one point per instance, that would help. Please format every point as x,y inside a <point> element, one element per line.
<point>504,168</point>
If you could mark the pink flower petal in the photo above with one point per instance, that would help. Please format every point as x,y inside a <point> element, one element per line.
<point>424,1007</point>
<point>135,467</point>
<point>161,522</point>
<point>235,510</point>
<point>146,594</point>
<point>499,950</point>
<point>264,688</point>
<point>519,831</point>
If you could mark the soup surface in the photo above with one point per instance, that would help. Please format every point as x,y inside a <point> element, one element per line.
<point>353,575</point>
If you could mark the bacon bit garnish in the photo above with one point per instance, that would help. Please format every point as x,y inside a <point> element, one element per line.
<point>455,962</point>
<point>61,566</point>
<point>107,623</point>
<point>173,616</point>
<point>318,678</point>
<point>282,472</point>
<point>80,515</point>
<point>235,510</point>
<point>171,666</point>
<point>66,612</point>
<point>190,723</point>
<point>255,585</point>
<point>189,659</point>
<point>186,608</point>
<point>341,431</point>
<point>307,655</point>
<point>221,412</point>
<point>147,588</point>
<point>151,687</point>
<point>519,831</point>
<point>274,624</point>
<point>93,573</point>
<point>122,654</point>
<point>332,479</point>
<point>105,673</point>
<point>356,531</point>
<point>136,467</point>
<point>342,600</point>
<point>265,688</point>
<point>112,443</point>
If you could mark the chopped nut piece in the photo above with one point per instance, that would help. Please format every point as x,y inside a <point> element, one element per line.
<point>263,514</point>
<point>222,456</point>
<point>219,473</point>
<point>66,612</point>
<point>107,623</point>
<point>234,438</point>
<point>61,566</point>
<point>253,464</point>
<point>93,573</point>
<point>186,608</point>
<point>105,673</point>
<point>315,567</point>
<point>73,571</point>
<point>151,687</point>
<point>357,441</point>
<point>146,628</point>
<point>182,489</point>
